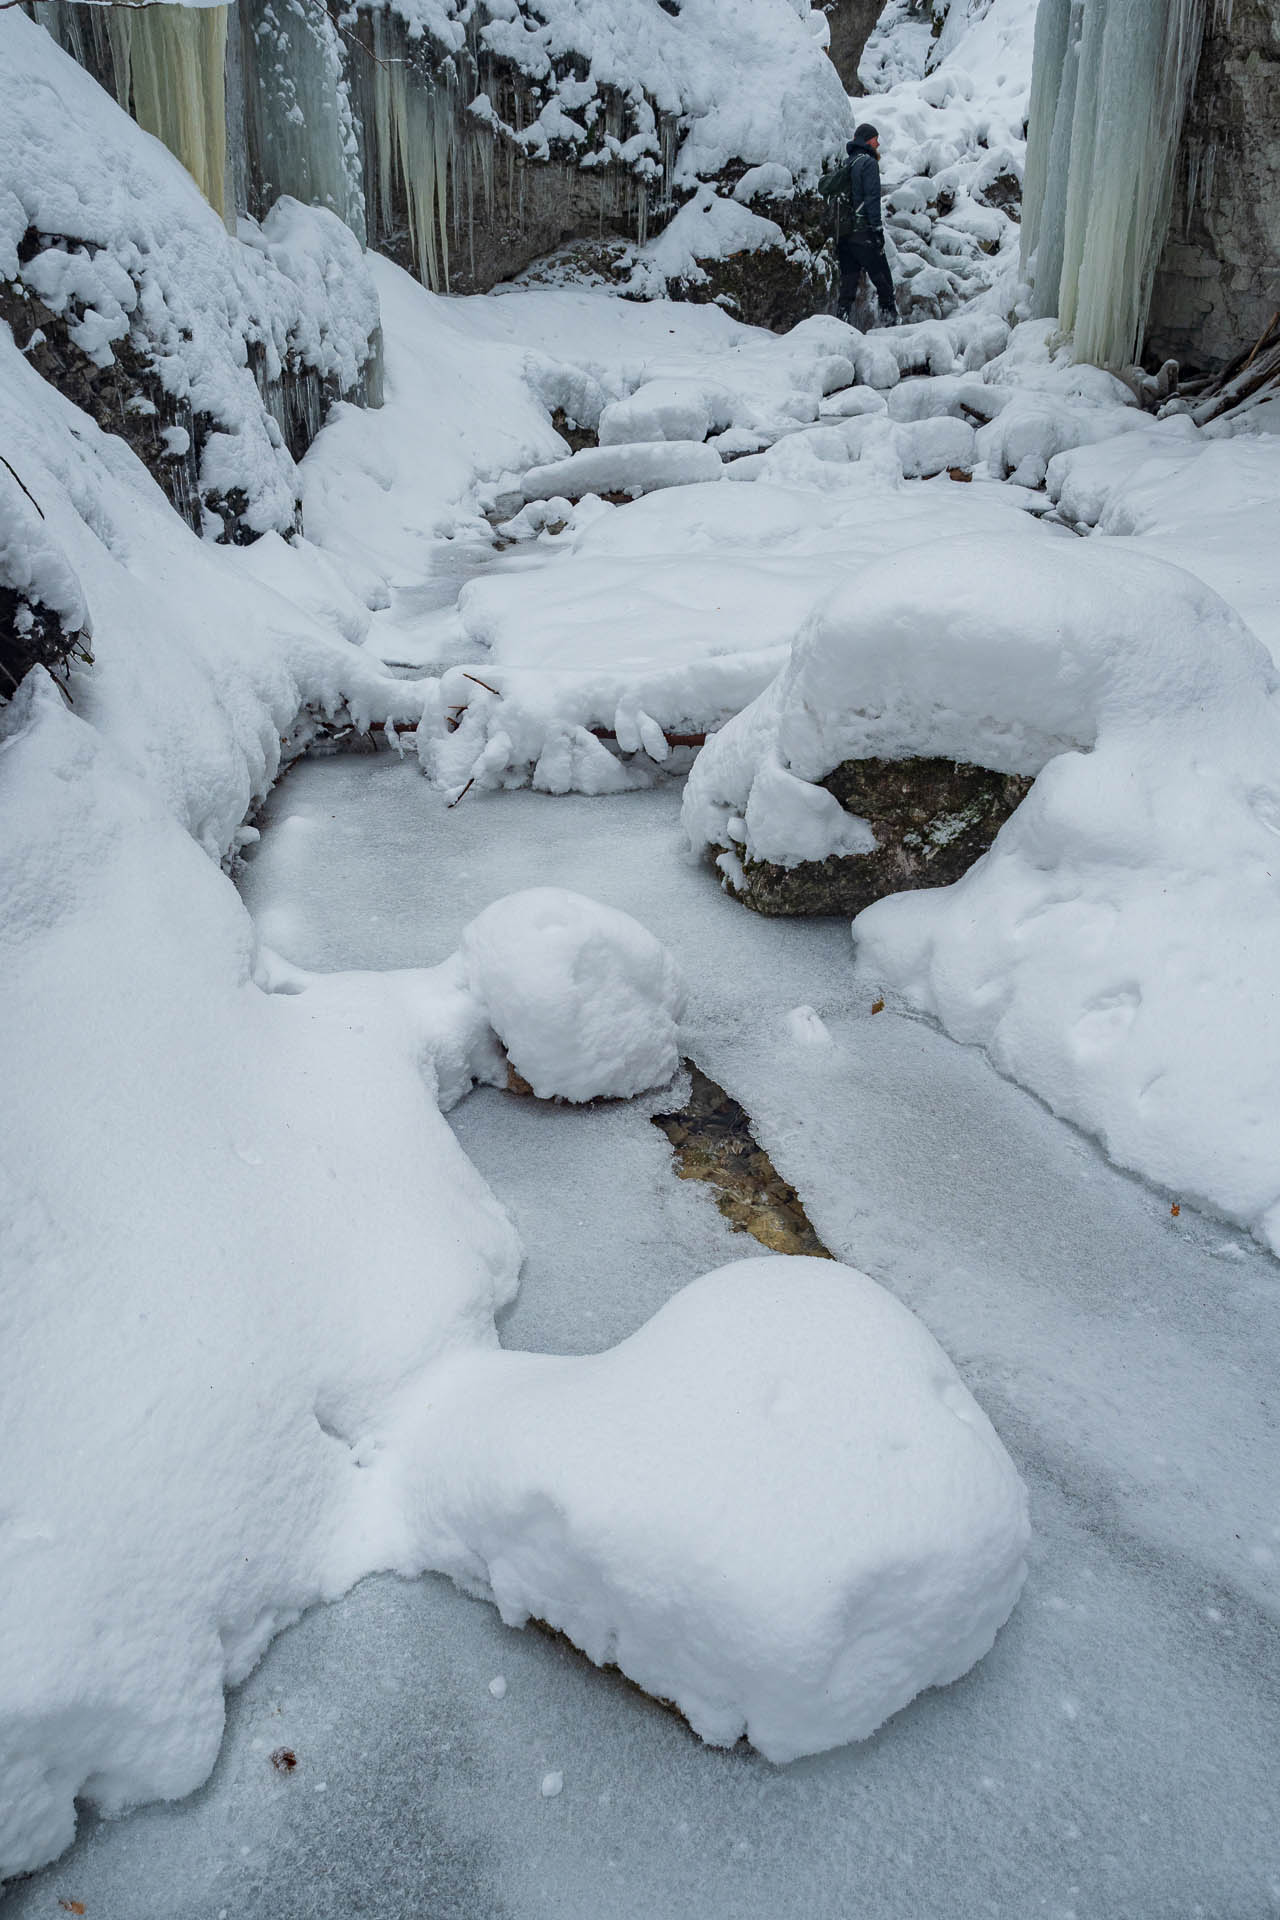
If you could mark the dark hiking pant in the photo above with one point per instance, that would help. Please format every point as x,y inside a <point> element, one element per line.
<point>859,255</point>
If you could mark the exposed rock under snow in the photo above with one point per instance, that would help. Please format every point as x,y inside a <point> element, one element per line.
<point>584,1000</point>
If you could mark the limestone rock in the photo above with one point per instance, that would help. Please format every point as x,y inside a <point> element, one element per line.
<point>1218,282</point>
<point>851,22</point>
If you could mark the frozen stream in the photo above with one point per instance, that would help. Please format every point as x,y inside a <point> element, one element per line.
<point>1118,1754</point>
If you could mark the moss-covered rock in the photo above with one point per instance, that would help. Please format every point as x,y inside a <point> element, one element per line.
<point>932,819</point>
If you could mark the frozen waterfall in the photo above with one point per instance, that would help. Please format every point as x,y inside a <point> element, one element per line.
<point>300,132</point>
<point>1109,92</point>
<point>170,61</point>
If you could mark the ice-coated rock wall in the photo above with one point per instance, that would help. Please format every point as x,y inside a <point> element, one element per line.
<point>1218,283</point>
<point>468,137</point>
<point>1152,202</point>
<point>1110,85</point>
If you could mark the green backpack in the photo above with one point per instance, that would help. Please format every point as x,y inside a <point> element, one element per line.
<point>835,186</point>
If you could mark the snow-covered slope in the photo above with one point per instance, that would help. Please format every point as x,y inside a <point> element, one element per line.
<point>105,227</point>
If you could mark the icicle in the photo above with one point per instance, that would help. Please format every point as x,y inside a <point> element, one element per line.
<point>1116,76</point>
<point>1052,22</point>
<point>1052,239</point>
<point>298,109</point>
<point>415,140</point>
<point>170,61</point>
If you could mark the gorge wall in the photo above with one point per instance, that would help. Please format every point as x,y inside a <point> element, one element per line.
<point>467,138</point>
<point>1152,204</point>
<point>1218,282</point>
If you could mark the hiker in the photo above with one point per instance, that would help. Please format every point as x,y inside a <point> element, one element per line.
<point>855,190</point>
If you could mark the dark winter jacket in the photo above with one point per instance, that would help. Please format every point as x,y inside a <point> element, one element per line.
<point>854,189</point>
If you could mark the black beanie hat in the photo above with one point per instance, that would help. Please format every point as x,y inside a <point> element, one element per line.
<point>865,132</point>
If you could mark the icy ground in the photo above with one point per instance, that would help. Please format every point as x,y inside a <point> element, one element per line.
<point>1117,1754</point>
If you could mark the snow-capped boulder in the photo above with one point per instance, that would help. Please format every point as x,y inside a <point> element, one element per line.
<point>1097,950</point>
<point>776,1505</point>
<point>629,470</point>
<point>679,409</point>
<point>584,999</point>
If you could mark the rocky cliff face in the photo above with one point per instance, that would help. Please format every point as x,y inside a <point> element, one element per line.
<point>1218,283</point>
<point>851,22</point>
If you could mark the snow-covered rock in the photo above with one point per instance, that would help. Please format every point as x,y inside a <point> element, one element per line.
<point>775,1505</point>
<point>1100,952</point>
<point>671,409</point>
<point>133,257</point>
<point>623,469</point>
<point>585,1001</point>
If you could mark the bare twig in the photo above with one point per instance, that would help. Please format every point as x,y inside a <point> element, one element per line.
<point>356,41</point>
<point>482,683</point>
<point>461,796</point>
<point>1261,341</point>
<point>31,497</point>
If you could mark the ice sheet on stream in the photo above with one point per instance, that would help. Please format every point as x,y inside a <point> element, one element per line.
<point>1117,1752</point>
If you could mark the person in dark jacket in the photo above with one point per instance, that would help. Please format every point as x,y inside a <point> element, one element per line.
<point>855,191</point>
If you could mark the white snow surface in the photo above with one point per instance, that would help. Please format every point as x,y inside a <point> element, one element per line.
<point>776,1504</point>
<point>585,1002</point>
<point>243,1251</point>
<point>187,1273</point>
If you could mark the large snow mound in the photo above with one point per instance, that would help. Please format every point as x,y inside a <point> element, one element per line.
<point>1110,950</point>
<point>585,1001</point>
<point>776,1504</point>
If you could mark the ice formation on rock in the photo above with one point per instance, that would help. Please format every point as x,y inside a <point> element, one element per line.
<point>300,133</point>
<point>169,65</point>
<point>453,130</point>
<point>1110,86</point>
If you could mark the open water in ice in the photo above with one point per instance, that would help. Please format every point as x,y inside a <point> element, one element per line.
<point>1116,1757</point>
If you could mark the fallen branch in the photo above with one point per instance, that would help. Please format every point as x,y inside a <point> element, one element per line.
<point>1243,387</point>
<point>1261,341</point>
<point>4,463</point>
<point>672,739</point>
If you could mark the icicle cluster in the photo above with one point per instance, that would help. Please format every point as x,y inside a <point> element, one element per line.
<point>1109,91</point>
<point>170,63</point>
<point>300,130</point>
<point>413,127</point>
